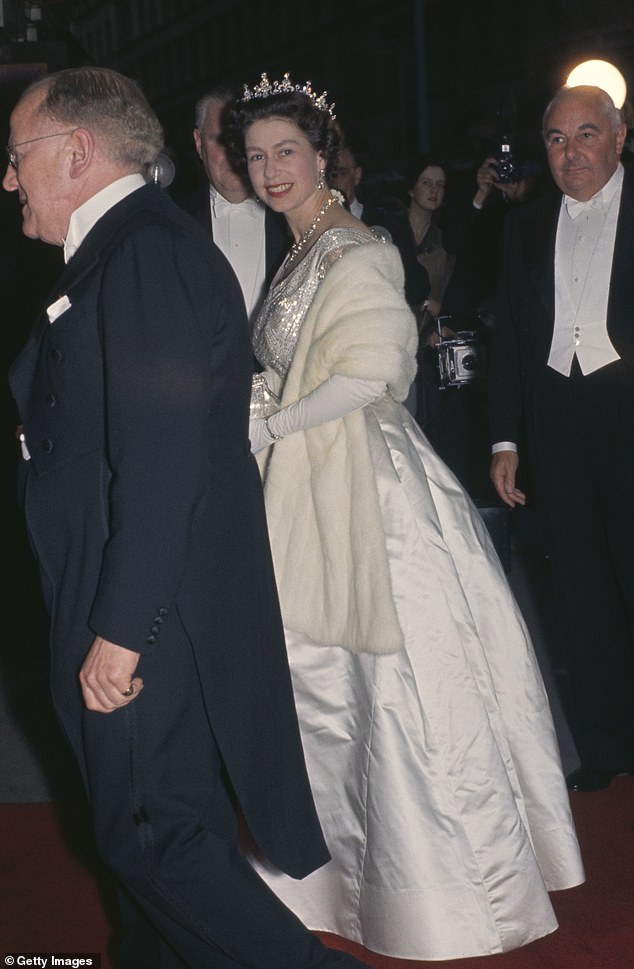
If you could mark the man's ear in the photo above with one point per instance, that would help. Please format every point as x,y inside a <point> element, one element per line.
<point>198,141</point>
<point>82,149</point>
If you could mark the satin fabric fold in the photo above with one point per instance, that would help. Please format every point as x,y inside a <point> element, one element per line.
<point>435,770</point>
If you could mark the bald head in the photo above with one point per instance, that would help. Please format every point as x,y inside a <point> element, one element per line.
<point>584,137</point>
<point>595,96</point>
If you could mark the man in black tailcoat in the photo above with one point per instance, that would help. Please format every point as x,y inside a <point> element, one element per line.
<point>562,375</point>
<point>144,509</point>
<point>252,237</point>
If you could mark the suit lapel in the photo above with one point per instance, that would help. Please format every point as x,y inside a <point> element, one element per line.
<point>539,251</point>
<point>100,237</point>
<point>23,368</point>
<point>621,279</point>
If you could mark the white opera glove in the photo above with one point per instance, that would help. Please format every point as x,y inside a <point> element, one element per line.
<point>337,396</point>
<point>259,435</point>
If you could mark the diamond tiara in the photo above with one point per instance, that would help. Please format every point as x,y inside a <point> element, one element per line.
<point>265,90</point>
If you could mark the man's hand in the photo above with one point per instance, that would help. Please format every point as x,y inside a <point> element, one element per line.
<point>107,676</point>
<point>486,177</point>
<point>503,470</point>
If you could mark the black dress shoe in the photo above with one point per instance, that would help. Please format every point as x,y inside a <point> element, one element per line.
<point>590,779</point>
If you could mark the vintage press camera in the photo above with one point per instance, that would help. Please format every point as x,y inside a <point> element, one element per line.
<point>460,361</point>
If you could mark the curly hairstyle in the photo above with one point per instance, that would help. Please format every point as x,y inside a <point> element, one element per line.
<point>322,132</point>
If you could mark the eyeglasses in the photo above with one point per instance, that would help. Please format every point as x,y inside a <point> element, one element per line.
<point>10,149</point>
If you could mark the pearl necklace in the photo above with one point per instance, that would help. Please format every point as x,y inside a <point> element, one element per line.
<point>297,247</point>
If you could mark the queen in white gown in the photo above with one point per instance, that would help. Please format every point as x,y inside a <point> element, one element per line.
<point>427,731</point>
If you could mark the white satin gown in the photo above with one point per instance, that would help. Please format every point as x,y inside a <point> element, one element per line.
<point>435,770</point>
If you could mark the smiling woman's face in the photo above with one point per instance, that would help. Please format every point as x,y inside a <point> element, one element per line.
<point>283,166</point>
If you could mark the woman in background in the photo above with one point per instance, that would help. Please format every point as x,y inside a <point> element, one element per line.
<point>454,418</point>
<point>427,195</point>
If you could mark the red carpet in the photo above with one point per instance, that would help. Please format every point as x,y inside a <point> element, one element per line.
<point>56,898</point>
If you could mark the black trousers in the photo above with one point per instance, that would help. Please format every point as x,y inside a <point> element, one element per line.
<point>584,434</point>
<point>166,824</point>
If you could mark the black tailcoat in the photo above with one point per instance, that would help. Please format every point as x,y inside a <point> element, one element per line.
<point>144,506</point>
<point>578,434</point>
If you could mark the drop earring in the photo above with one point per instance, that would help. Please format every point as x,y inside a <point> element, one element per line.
<point>321,184</point>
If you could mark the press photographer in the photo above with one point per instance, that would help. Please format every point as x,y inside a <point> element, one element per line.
<point>502,171</point>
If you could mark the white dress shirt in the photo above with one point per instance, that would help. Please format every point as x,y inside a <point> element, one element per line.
<point>83,218</point>
<point>584,248</point>
<point>356,208</point>
<point>239,232</point>
<point>583,264</point>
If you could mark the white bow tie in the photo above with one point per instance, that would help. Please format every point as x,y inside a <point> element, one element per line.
<point>574,207</point>
<point>220,204</point>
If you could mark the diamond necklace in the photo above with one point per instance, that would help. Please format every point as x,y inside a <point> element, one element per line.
<point>297,247</point>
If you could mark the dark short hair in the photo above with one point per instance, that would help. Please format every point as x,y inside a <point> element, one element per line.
<point>108,103</point>
<point>419,165</point>
<point>319,127</point>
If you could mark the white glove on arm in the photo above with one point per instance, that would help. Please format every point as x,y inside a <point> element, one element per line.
<point>337,396</point>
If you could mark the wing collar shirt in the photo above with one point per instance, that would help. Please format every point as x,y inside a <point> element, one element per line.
<point>356,208</point>
<point>583,264</point>
<point>238,230</point>
<point>83,218</point>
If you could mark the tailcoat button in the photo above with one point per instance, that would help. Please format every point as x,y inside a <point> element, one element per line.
<point>47,445</point>
<point>56,354</point>
<point>51,400</point>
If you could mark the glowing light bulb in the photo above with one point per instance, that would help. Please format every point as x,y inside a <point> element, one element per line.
<point>600,74</point>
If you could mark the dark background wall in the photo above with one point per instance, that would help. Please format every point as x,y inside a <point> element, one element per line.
<point>407,75</point>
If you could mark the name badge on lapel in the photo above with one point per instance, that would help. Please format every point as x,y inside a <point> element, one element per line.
<point>56,309</point>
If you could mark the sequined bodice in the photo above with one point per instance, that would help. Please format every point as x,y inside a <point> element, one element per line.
<point>279,322</point>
